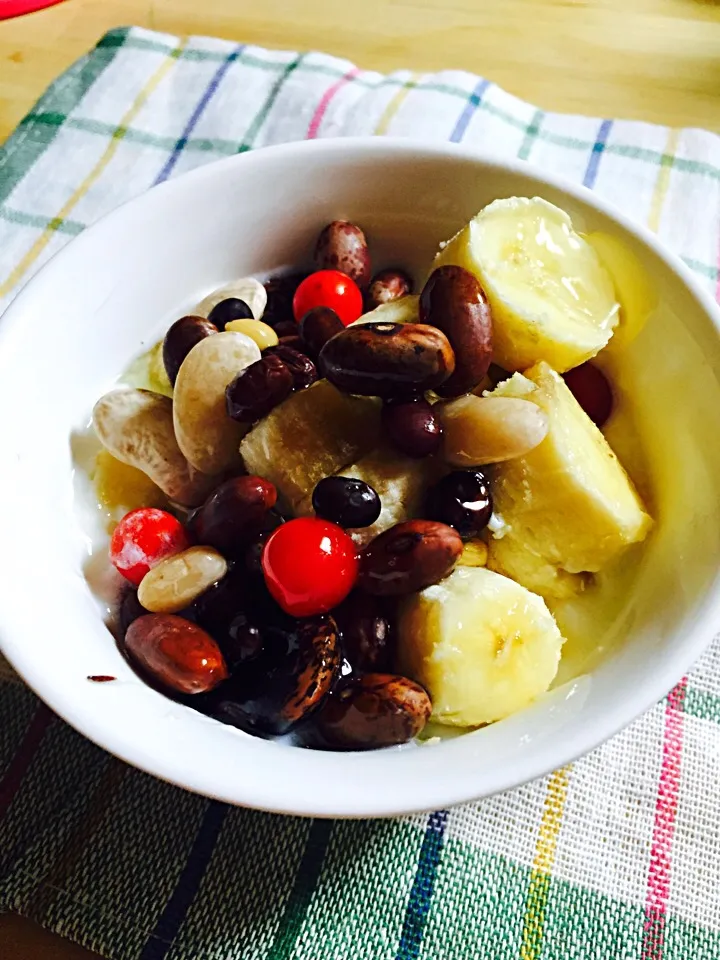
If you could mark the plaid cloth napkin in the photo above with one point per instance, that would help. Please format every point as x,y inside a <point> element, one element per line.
<point>617,856</point>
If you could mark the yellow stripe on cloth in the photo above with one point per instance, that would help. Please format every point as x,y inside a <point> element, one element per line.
<point>394,105</point>
<point>537,896</point>
<point>662,184</point>
<point>37,248</point>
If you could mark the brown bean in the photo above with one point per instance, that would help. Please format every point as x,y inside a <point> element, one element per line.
<point>377,710</point>
<point>258,389</point>
<point>294,342</point>
<point>280,292</point>
<point>409,557</point>
<point>303,370</point>
<point>286,682</point>
<point>365,632</point>
<point>318,326</point>
<point>387,359</point>
<point>342,246</point>
<point>386,286</point>
<point>176,653</point>
<point>180,339</point>
<point>454,301</point>
<point>234,514</point>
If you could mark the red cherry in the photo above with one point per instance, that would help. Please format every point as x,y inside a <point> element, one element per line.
<point>142,539</point>
<point>590,387</point>
<point>310,566</point>
<point>329,288</point>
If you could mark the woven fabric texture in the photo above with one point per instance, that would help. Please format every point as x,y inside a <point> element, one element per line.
<point>615,857</point>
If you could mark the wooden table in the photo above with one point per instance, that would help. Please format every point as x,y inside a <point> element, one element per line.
<point>656,60</point>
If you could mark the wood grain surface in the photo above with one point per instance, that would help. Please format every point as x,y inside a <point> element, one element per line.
<point>655,60</point>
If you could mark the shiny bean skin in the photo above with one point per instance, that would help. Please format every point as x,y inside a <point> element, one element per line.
<point>409,557</point>
<point>286,328</point>
<point>462,499</point>
<point>386,286</point>
<point>179,341</point>
<point>365,632</point>
<point>303,370</point>
<point>179,580</point>
<point>376,710</point>
<point>234,514</point>
<point>262,333</point>
<point>318,326</point>
<point>387,359</point>
<point>176,653</point>
<point>454,301</point>
<point>412,427</point>
<point>259,389</point>
<point>286,682</point>
<point>233,308</point>
<point>342,246</point>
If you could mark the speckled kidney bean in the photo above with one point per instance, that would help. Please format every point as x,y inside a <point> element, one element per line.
<point>318,326</point>
<point>387,359</point>
<point>234,514</point>
<point>454,301</point>
<point>258,389</point>
<point>386,286</point>
<point>180,339</point>
<point>286,682</point>
<point>409,557</point>
<point>342,246</point>
<point>176,653</point>
<point>377,710</point>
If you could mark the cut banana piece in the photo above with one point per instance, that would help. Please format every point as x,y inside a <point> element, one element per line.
<point>551,297</point>
<point>482,646</point>
<point>637,296</point>
<point>248,289</point>
<point>568,506</point>
<point>402,310</point>
<point>314,433</point>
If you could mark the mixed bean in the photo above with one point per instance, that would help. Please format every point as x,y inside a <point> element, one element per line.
<point>274,622</point>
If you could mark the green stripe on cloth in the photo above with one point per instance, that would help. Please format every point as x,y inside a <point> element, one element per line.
<point>31,140</point>
<point>531,132</point>
<point>702,704</point>
<point>264,111</point>
<point>71,227</point>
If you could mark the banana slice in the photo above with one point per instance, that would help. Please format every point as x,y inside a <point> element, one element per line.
<point>551,297</point>
<point>482,646</point>
<point>637,296</point>
<point>147,372</point>
<point>568,506</point>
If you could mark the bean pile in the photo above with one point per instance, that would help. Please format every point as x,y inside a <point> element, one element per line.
<point>274,623</point>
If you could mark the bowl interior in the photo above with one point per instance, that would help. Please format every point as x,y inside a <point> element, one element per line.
<point>112,291</point>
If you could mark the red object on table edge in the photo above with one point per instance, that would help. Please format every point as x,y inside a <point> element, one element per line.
<point>16,8</point>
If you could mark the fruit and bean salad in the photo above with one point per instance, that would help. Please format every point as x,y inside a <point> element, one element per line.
<point>355,506</point>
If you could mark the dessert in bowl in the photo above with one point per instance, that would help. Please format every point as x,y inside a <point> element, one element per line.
<point>542,632</point>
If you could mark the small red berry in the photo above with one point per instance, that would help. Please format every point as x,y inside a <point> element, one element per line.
<point>143,538</point>
<point>590,387</point>
<point>329,288</point>
<point>310,566</point>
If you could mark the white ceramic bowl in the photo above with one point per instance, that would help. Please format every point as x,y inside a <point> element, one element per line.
<point>118,285</point>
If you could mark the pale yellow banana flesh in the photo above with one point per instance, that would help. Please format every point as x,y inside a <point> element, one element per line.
<point>551,297</point>
<point>482,646</point>
<point>568,506</point>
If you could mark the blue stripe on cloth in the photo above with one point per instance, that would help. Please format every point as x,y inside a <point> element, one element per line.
<point>597,152</point>
<point>197,113</point>
<point>471,106</point>
<point>418,905</point>
<point>171,919</point>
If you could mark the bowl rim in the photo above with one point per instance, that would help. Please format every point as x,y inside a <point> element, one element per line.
<point>435,793</point>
